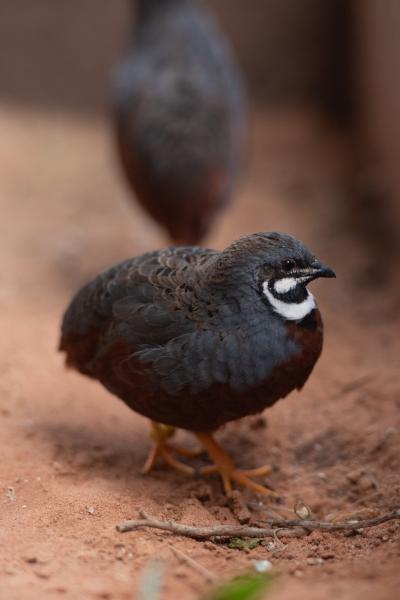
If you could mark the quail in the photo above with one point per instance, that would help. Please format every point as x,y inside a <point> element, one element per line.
<point>180,116</point>
<point>192,338</point>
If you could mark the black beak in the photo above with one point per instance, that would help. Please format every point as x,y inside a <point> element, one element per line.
<point>319,270</point>
<point>315,271</point>
<point>324,272</point>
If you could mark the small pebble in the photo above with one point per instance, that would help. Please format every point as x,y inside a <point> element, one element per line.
<point>302,510</point>
<point>42,574</point>
<point>327,556</point>
<point>270,546</point>
<point>315,561</point>
<point>91,510</point>
<point>120,553</point>
<point>10,494</point>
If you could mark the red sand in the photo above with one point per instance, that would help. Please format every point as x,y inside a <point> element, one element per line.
<point>71,453</point>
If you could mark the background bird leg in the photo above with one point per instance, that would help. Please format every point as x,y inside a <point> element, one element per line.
<point>162,449</point>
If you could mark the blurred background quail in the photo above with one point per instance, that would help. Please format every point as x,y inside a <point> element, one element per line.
<point>180,116</point>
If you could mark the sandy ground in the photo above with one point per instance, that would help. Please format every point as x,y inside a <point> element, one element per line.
<point>71,454</point>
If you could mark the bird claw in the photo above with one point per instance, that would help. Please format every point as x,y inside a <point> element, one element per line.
<point>222,464</point>
<point>161,449</point>
<point>229,473</point>
<point>243,477</point>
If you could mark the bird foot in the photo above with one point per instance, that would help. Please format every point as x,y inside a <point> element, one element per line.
<point>163,450</point>
<point>227,470</point>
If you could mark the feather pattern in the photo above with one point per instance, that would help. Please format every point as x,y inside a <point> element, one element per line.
<point>184,344</point>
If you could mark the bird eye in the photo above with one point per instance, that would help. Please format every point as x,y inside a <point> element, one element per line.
<point>288,265</point>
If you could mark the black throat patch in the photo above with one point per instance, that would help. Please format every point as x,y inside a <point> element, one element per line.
<point>294,296</point>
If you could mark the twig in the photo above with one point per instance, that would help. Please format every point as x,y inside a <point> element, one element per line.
<point>204,533</point>
<point>292,528</point>
<point>208,575</point>
<point>346,525</point>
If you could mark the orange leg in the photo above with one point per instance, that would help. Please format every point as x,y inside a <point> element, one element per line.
<point>162,449</point>
<point>229,473</point>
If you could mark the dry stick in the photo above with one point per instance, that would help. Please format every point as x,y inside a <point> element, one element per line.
<point>293,528</point>
<point>208,575</point>
<point>347,525</point>
<point>204,533</point>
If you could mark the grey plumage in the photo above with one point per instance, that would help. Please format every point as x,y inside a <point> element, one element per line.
<point>180,116</point>
<point>183,335</point>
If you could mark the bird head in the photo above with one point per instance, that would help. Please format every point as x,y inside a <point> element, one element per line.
<point>283,278</point>
<point>279,267</point>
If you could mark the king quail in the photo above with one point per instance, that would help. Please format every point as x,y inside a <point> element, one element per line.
<point>193,338</point>
<point>180,116</point>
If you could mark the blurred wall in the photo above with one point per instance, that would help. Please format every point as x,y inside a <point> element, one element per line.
<point>378,33</point>
<point>58,53</point>
<point>295,51</point>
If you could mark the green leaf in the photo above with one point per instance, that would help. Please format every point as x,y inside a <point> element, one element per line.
<point>243,544</point>
<point>251,586</point>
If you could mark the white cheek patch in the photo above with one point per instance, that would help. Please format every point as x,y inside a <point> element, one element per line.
<point>282,286</point>
<point>292,311</point>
